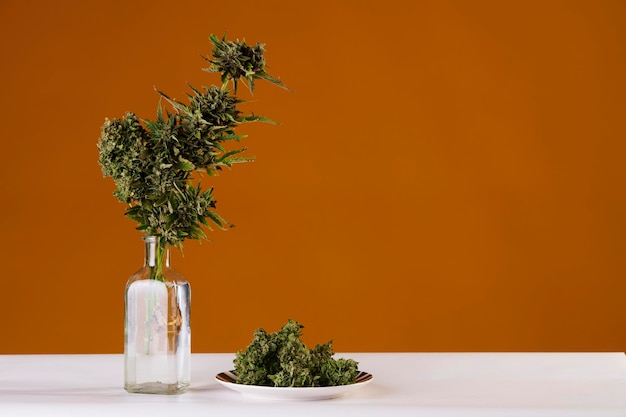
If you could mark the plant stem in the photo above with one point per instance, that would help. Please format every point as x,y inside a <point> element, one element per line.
<point>156,270</point>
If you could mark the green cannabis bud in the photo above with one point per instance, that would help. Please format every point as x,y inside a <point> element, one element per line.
<point>281,360</point>
<point>156,164</point>
<point>238,61</point>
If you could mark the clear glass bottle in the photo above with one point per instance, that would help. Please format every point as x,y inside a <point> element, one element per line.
<point>157,332</point>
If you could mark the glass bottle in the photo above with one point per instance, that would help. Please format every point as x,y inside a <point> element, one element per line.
<point>157,332</point>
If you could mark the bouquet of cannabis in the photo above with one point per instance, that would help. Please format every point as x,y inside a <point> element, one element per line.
<point>281,360</point>
<point>153,161</point>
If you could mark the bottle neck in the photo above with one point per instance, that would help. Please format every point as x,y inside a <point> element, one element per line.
<point>156,255</point>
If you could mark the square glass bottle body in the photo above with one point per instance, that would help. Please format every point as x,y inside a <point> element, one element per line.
<point>157,331</point>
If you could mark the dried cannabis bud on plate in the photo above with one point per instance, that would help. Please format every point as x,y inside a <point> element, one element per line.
<point>281,360</point>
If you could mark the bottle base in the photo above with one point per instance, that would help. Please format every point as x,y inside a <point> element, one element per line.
<point>157,388</point>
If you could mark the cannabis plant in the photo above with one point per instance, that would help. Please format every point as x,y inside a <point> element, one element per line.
<point>154,163</point>
<point>282,360</point>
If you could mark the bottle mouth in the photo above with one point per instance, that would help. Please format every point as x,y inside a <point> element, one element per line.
<point>150,239</point>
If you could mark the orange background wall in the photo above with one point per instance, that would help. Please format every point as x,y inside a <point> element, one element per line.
<point>448,175</point>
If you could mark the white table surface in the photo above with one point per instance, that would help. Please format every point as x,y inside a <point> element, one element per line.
<point>405,384</point>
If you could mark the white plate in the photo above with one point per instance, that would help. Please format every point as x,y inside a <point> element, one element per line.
<point>228,378</point>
